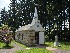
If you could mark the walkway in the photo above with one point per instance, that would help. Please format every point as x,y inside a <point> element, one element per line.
<point>61,51</point>
<point>12,50</point>
<point>17,47</point>
<point>55,50</point>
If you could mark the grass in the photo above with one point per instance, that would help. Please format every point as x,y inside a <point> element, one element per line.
<point>22,45</point>
<point>63,45</point>
<point>31,50</point>
<point>34,50</point>
<point>49,43</point>
<point>3,46</point>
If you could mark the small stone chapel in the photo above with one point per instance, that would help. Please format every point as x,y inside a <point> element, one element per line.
<point>32,33</point>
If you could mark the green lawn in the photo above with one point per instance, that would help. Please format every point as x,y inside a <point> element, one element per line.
<point>19,44</point>
<point>63,45</point>
<point>3,45</point>
<point>34,50</point>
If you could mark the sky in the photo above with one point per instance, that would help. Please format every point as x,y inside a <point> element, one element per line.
<point>4,3</point>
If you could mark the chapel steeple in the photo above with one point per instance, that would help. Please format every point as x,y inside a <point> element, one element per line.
<point>35,14</point>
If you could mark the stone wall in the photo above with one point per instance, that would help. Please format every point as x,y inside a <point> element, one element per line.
<point>26,37</point>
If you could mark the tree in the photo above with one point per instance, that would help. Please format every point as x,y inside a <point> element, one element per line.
<point>4,16</point>
<point>56,12</point>
<point>50,13</point>
<point>5,35</point>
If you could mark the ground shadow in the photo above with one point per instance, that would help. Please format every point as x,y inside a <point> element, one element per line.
<point>39,46</point>
<point>7,47</point>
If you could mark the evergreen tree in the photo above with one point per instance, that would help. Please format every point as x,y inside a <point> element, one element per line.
<point>4,16</point>
<point>53,15</point>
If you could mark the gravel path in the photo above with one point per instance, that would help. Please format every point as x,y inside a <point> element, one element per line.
<point>61,51</point>
<point>17,47</point>
<point>56,50</point>
<point>12,50</point>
